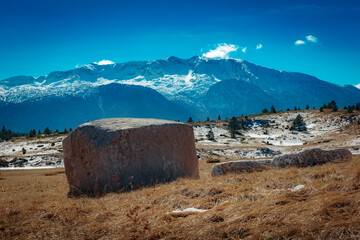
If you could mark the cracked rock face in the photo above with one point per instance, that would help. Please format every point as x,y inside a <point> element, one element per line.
<point>119,154</point>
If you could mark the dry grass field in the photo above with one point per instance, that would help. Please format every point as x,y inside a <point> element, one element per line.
<point>259,205</point>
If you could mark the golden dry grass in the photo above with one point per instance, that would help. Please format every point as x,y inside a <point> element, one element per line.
<point>34,205</point>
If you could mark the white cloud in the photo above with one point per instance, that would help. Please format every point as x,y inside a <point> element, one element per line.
<point>104,62</point>
<point>311,38</point>
<point>259,46</point>
<point>299,42</point>
<point>222,51</point>
<point>244,49</point>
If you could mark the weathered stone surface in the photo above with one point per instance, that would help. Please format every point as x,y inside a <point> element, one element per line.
<point>312,157</point>
<point>118,154</point>
<point>306,158</point>
<point>239,166</point>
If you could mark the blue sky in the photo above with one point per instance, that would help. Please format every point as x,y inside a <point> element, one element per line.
<point>37,37</point>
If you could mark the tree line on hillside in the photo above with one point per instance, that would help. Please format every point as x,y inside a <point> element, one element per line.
<point>331,105</point>
<point>297,124</point>
<point>7,134</point>
<point>47,131</point>
<point>351,108</point>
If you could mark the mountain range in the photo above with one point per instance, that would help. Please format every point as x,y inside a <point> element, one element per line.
<point>171,88</point>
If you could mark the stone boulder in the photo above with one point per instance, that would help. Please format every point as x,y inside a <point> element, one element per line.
<point>312,157</point>
<point>120,154</point>
<point>3,163</point>
<point>239,167</point>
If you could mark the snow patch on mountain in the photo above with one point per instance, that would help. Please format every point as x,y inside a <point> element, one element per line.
<point>168,85</point>
<point>171,85</point>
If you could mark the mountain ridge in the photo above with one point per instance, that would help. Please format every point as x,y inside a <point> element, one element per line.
<point>202,86</point>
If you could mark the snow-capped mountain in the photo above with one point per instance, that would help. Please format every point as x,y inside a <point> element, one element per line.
<point>202,86</point>
<point>170,77</point>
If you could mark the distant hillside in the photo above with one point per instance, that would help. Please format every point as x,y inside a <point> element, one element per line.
<point>113,100</point>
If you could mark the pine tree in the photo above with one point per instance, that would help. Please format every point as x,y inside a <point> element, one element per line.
<point>288,110</point>
<point>219,117</point>
<point>272,109</point>
<point>47,131</point>
<point>207,119</point>
<point>265,110</point>
<point>70,129</point>
<point>6,135</point>
<point>332,105</point>
<point>210,135</point>
<point>295,108</point>
<point>307,106</point>
<point>32,133</point>
<point>334,108</point>
<point>233,126</point>
<point>190,120</point>
<point>65,131</point>
<point>321,109</point>
<point>3,133</point>
<point>298,124</point>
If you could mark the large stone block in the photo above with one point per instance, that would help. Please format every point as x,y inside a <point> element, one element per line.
<point>119,154</point>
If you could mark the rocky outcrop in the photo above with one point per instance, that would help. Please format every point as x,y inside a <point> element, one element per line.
<point>3,163</point>
<point>118,154</point>
<point>312,157</point>
<point>239,167</point>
